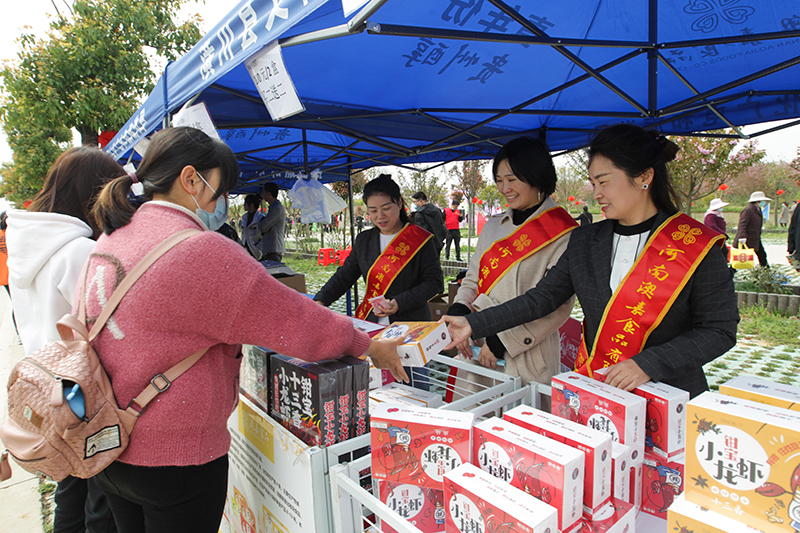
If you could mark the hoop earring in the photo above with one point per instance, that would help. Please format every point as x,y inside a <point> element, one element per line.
<point>645,186</point>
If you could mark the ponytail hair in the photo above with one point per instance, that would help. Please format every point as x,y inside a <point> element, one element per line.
<point>170,150</point>
<point>634,150</point>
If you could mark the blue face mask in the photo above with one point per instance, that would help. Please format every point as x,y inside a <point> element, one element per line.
<point>215,220</point>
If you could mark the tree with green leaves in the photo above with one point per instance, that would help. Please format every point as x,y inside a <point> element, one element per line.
<point>705,163</point>
<point>89,72</point>
<point>429,182</point>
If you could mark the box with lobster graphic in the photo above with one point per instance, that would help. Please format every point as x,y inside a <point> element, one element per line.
<point>616,517</point>
<point>417,445</point>
<point>662,482</point>
<point>743,461</point>
<point>600,406</point>
<point>596,446</point>
<point>421,507</point>
<point>665,418</point>
<point>545,468</point>
<point>687,517</point>
<point>764,391</point>
<point>476,501</point>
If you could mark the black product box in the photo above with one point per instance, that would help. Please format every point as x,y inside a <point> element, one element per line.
<point>254,377</point>
<point>303,399</point>
<point>344,398</point>
<point>360,394</point>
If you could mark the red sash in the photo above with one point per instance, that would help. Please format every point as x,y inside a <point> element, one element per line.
<point>528,239</point>
<point>647,292</point>
<point>388,265</point>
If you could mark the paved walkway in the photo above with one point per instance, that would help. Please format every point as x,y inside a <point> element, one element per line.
<point>20,510</point>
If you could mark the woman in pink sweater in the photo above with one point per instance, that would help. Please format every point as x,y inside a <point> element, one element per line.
<point>205,292</point>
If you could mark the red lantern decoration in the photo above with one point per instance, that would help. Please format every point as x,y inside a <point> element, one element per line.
<point>577,202</point>
<point>723,187</point>
<point>480,202</point>
<point>27,204</point>
<point>571,198</point>
<point>475,200</point>
<point>780,191</point>
<point>506,205</point>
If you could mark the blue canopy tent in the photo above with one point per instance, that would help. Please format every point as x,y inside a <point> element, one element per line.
<point>404,82</point>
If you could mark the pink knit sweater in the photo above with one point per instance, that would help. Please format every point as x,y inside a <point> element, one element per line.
<point>207,291</point>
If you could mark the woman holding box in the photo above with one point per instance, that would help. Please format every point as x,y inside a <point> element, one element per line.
<point>207,292</point>
<point>655,288</point>
<point>397,259</point>
<point>515,251</point>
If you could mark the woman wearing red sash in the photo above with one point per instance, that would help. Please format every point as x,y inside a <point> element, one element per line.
<point>655,288</point>
<point>397,259</point>
<point>514,251</point>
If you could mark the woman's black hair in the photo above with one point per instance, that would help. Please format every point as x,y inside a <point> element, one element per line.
<point>530,161</point>
<point>170,150</point>
<point>634,150</point>
<point>384,184</point>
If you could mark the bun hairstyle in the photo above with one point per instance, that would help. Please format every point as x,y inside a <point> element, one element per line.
<point>530,161</point>
<point>634,150</point>
<point>384,184</point>
<point>170,150</point>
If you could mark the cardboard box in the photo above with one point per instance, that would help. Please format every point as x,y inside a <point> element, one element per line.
<point>764,391</point>
<point>665,422</point>
<point>304,398</point>
<point>616,517</point>
<point>423,508</point>
<point>370,328</point>
<point>422,340</point>
<point>296,282</point>
<point>596,446</point>
<point>378,377</point>
<point>343,374</point>
<point>743,460</point>
<point>476,502</point>
<point>360,414</point>
<point>452,291</point>
<point>636,483</point>
<point>662,482</point>
<point>423,398</point>
<point>600,406</point>
<point>438,306</point>
<point>621,479</point>
<point>542,467</point>
<point>417,445</point>
<point>684,516</point>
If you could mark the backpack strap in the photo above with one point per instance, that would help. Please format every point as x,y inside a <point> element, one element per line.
<point>127,282</point>
<point>161,383</point>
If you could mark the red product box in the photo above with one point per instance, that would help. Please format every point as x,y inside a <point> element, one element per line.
<point>662,482</point>
<point>476,501</point>
<point>617,517</point>
<point>665,421</point>
<point>360,394</point>
<point>545,468</point>
<point>596,445</point>
<point>422,507</point>
<point>600,406</point>
<point>621,479</point>
<point>417,445</point>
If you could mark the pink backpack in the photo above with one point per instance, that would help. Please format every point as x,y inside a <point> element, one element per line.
<point>49,431</point>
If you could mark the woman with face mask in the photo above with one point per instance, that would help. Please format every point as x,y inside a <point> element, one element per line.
<point>206,292</point>
<point>653,283</point>
<point>751,219</point>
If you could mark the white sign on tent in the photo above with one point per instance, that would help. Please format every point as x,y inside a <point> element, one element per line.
<point>196,116</point>
<point>273,82</point>
<point>350,6</point>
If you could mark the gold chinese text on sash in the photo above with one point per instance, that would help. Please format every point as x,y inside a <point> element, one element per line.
<point>526,240</point>
<point>388,265</point>
<point>648,291</point>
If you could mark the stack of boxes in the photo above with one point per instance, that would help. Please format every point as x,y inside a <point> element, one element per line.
<point>742,460</point>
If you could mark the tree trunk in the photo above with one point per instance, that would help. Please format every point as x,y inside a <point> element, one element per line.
<point>89,136</point>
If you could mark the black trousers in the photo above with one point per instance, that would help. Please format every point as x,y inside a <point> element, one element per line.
<point>82,507</point>
<point>453,235</point>
<point>166,499</point>
<point>761,254</point>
